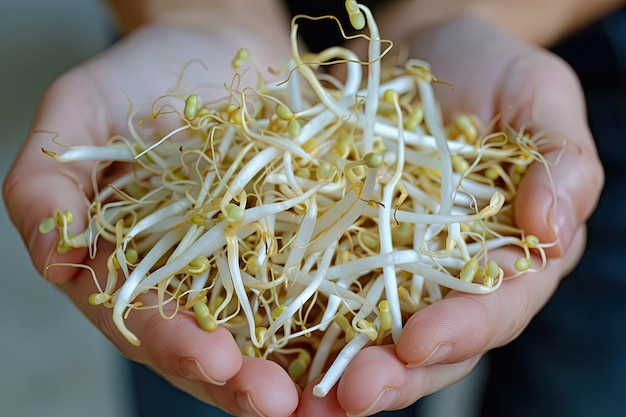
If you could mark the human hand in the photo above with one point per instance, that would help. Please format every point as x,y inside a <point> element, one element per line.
<point>494,75</point>
<point>88,105</point>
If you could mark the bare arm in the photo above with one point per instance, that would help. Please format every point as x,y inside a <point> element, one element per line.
<point>540,22</point>
<point>200,14</point>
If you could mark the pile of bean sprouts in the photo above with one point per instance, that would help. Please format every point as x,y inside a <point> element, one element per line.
<point>308,217</point>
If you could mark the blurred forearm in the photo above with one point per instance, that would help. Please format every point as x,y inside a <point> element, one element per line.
<point>541,22</point>
<point>544,22</point>
<point>257,15</point>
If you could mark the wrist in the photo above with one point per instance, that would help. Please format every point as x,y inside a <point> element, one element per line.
<point>538,22</point>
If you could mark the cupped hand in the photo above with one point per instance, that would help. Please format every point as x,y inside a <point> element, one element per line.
<point>494,76</point>
<point>88,105</point>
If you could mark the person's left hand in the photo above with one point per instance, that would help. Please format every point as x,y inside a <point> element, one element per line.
<point>494,74</point>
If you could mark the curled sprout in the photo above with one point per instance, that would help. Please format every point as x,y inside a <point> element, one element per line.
<point>309,218</point>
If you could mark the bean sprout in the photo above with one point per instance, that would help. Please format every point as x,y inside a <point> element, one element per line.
<point>310,218</point>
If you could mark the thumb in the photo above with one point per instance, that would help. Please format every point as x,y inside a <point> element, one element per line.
<point>555,198</point>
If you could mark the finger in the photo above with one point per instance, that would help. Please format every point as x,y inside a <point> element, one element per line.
<point>552,201</point>
<point>261,388</point>
<point>37,184</point>
<point>312,406</point>
<point>171,345</point>
<point>208,365</point>
<point>464,325</point>
<point>378,380</point>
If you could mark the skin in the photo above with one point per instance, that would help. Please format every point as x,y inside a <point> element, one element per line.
<point>537,22</point>
<point>494,74</point>
<point>499,78</point>
<point>89,104</point>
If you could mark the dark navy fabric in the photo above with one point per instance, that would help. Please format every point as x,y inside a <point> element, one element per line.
<point>571,361</point>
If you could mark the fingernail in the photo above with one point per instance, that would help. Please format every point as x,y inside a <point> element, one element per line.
<point>442,352</point>
<point>247,407</point>
<point>387,399</point>
<point>194,371</point>
<point>564,225</point>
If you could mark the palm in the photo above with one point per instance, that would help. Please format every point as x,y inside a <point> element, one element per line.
<point>494,76</point>
<point>87,106</point>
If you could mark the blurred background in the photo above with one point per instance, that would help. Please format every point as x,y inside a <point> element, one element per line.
<point>52,361</point>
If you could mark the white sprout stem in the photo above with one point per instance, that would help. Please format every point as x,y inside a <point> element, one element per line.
<point>192,234</point>
<point>307,293</point>
<point>295,90</point>
<point>419,159</point>
<point>199,282</point>
<point>260,284</point>
<point>434,291</point>
<point>337,220</point>
<point>360,265</point>
<point>384,228</point>
<point>248,171</point>
<point>374,293</point>
<point>275,141</point>
<point>119,183</point>
<point>433,218</point>
<point>232,253</point>
<point>314,126</point>
<point>223,272</point>
<point>433,123</point>
<point>402,84</point>
<point>310,76</point>
<point>299,245</point>
<point>420,139</point>
<point>477,190</point>
<point>107,153</point>
<point>448,281</point>
<point>224,178</point>
<point>127,291</point>
<point>322,353</point>
<point>333,191</point>
<point>288,335</point>
<point>158,216</point>
<point>210,176</point>
<point>373,80</point>
<point>334,301</point>
<point>351,300</point>
<point>417,286</point>
<point>491,244</point>
<point>268,224</point>
<point>213,239</point>
<point>160,141</point>
<point>112,275</point>
<point>353,70</point>
<point>421,197</point>
<point>289,174</point>
<point>339,365</point>
<point>131,127</point>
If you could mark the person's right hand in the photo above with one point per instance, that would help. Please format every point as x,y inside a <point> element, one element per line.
<point>88,105</point>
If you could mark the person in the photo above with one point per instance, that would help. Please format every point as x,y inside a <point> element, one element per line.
<point>493,52</point>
